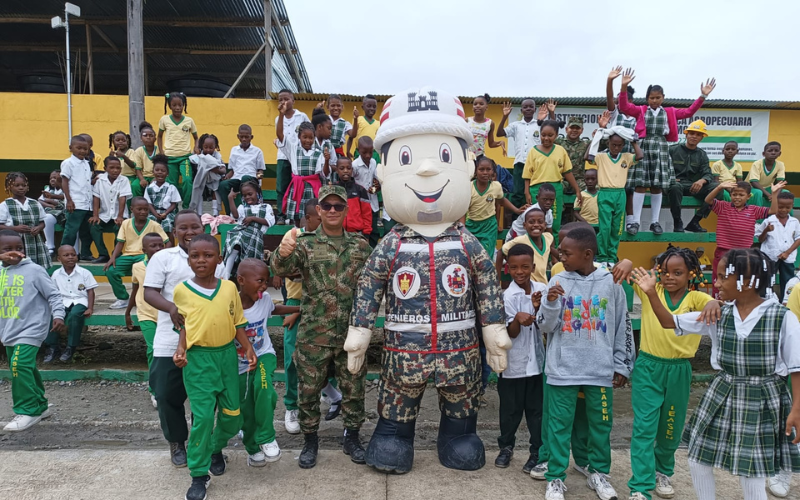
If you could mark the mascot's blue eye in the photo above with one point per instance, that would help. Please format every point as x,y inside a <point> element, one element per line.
<point>405,155</point>
<point>444,153</point>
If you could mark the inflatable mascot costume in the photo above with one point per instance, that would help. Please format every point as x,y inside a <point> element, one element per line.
<point>438,281</point>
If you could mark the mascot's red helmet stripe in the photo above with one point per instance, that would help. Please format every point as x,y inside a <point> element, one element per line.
<point>459,108</point>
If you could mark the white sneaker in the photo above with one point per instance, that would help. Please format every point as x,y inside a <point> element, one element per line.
<point>153,401</point>
<point>599,483</point>
<point>257,459</point>
<point>119,304</point>
<point>778,485</point>
<point>637,496</point>
<point>272,452</point>
<point>290,422</point>
<point>538,471</point>
<point>582,470</point>
<point>664,487</point>
<point>555,490</point>
<point>23,422</point>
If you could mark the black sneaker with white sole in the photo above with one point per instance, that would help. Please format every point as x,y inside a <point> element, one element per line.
<point>217,467</point>
<point>197,491</point>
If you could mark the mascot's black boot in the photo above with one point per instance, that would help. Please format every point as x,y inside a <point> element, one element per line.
<point>458,444</point>
<point>391,448</point>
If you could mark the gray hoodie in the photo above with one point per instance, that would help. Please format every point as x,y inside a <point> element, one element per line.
<point>28,298</point>
<point>589,335</point>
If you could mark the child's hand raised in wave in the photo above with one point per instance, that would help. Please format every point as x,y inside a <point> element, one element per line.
<point>646,279</point>
<point>506,108</point>
<point>628,76</point>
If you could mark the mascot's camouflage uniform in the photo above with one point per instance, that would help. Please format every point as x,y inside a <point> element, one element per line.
<point>437,279</point>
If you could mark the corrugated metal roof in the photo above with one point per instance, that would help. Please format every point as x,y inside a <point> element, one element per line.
<point>587,101</point>
<point>181,37</point>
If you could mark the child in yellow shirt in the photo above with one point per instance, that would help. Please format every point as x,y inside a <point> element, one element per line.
<point>537,238</point>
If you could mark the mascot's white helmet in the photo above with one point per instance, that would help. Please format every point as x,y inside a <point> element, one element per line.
<point>426,167</point>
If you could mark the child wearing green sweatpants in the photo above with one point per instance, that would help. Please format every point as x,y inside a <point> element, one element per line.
<point>128,250</point>
<point>589,349</point>
<point>212,316</point>
<point>28,298</point>
<point>257,395</point>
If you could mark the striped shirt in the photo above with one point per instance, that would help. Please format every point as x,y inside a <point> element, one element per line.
<point>736,228</point>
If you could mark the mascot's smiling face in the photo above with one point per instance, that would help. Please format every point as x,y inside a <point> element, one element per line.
<point>425,179</point>
<point>425,169</point>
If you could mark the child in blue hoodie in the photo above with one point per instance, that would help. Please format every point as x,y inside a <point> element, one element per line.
<point>589,349</point>
<point>27,299</point>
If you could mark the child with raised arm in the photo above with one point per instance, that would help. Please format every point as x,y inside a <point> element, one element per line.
<point>212,317</point>
<point>590,350</point>
<point>30,298</point>
<point>257,395</point>
<point>779,235</point>
<point>292,119</point>
<point>657,126</point>
<point>745,421</point>
<point>736,221</point>
<point>520,386</point>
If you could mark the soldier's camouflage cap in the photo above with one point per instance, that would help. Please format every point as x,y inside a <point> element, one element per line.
<point>575,121</point>
<point>332,189</point>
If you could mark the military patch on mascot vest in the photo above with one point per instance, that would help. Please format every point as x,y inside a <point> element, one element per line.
<point>405,283</point>
<point>455,280</point>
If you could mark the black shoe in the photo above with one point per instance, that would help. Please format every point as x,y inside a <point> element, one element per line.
<point>656,229</point>
<point>695,227</point>
<point>66,356</point>
<point>50,355</point>
<point>86,259</point>
<point>177,454</point>
<point>352,447</point>
<point>391,448</point>
<point>503,459</point>
<point>632,228</point>
<point>197,491</point>
<point>458,444</point>
<point>678,226</point>
<point>530,464</point>
<point>334,410</point>
<point>308,456</point>
<point>217,467</point>
<point>100,260</point>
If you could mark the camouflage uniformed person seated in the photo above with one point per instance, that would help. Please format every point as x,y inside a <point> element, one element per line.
<point>330,261</point>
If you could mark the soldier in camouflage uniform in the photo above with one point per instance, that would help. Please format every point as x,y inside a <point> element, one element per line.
<point>576,147</point>
<point>330,262</point>
<point>438,282</point>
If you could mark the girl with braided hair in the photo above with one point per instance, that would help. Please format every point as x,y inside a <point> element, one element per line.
<point>746,422</point>
<point>25,216</point>
<point>177,138</point>
<point>254,218</point>
<point>663,374</point>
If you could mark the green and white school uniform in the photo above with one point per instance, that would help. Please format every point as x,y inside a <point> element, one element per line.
<point>482,215</point>
<point>161,197</point>
<point>655,169</point>
<point>31,214</point>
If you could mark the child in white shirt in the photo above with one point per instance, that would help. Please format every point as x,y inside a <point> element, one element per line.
<point>779,236</point>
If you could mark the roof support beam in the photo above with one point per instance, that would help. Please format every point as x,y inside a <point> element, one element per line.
<point>175,23</point>
<point>135,69</point>
<point>267,48</point>
<point>107,50</point>
<point>105,38</point>
<point>298,77</point>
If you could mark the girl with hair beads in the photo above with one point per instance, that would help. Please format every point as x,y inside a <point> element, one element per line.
<point>663,375</point>
<point>210,170</point>
<point>549,163</point>
<point>162,196</point>
<point>120,144</point>
<point>487,195</point>
<point>143,158</point>
<point>482,128</point>
<point>25,216</point>
<point>254,218</point>
<point>657,126</point>
<point>52,200</point>
<point>308,164</point>
<point>177,138</point>
<point>744,423</point>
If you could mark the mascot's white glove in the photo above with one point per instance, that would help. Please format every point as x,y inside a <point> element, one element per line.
<point>356,346</point>
<point>497,342</point>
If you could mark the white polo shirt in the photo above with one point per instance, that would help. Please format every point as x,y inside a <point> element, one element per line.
<point>80,182</point>
<point>74,287</point>
<point>165,270</point>
<point>109,195</point>
<point>525,136</point>
<point>245,161</point>
<point>780,238</point>
<point>364,174</point>
<point>290,128</point>
<point>526,356</point>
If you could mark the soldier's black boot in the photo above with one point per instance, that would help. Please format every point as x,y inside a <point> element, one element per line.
<point>352,446</point>
<point>458,443</point>
<point>391,448</point>
<point>308,456</point>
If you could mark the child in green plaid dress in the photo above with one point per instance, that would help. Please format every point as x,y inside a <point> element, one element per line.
<point>52,200</point>
<point>246,241</point>
<point>657,126</point>
<point>744,422</point>
<point>25,216</point>
<point>323,130</point>
<point>162,196</point>
<point>341,129</point>
<point>308,163</point>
